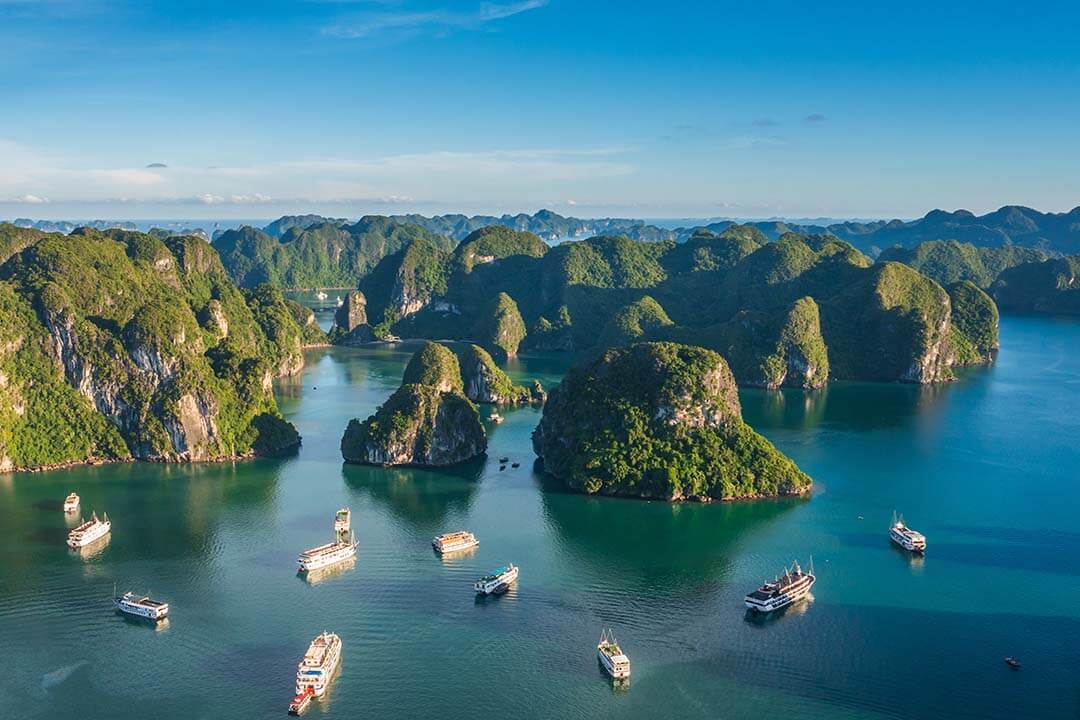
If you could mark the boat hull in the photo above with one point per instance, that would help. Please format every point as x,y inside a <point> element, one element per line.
<point>503,581</point>
<point>781,601</point>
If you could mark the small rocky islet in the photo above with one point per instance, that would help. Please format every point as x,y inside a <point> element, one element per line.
<point>432,419</point>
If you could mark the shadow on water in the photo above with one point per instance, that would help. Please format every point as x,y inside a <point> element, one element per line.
<point>847,406</point>
<point>654,545</point>
<point>421,497</point>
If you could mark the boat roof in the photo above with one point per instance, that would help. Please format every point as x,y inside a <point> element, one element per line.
<point>328,547</point>
<point>455,534</point>
<point>316,652</point>
<point>497,573</point>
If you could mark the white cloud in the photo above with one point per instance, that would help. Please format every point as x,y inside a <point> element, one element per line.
<point>31,199</point>
<point>370,24</point>
<point>511,176</point>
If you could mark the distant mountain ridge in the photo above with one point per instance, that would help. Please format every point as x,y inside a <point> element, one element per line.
<point>1010,225</point>
<point>1054,233</point>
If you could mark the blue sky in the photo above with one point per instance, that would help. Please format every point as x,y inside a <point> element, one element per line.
<point>673,109</point>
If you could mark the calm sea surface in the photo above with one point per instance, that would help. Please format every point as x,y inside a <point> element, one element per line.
<point>987,467</point>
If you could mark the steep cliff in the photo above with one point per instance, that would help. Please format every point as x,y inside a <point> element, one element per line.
<point>659,420</point>
<point>484,381</point>
<point>418,425</point>
<point>126,345</point>
<point>435,365</point>
<point>500,327</point>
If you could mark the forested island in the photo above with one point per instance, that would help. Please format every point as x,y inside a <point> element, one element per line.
<point>122,345</point>
<point>161,346</point>
<point>792,312</point>
<point>432,419</point>
<point>662,421</point>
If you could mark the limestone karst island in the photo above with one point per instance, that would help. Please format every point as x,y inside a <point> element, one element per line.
<point>539,359</point>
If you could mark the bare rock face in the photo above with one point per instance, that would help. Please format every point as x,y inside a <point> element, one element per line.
<point>352,313</point>
<point>213,318</point>
<point>418,425</point>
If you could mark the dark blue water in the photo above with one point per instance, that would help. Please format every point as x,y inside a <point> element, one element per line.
<point>986,467</point>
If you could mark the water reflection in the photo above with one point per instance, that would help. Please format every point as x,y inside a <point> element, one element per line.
<point>424,498</point>
<point>656,545</point>
<point>848,406</point>
<point>321,575</point>
<point>94,549</point>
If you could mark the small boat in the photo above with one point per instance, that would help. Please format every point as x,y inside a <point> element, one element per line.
<point>1013,662</point>
<point>343,521</point>
<point>141,606</point>
<point>790,587</point>
<point>301,702</point>
<point>905,537</point>
<point>89,531</point>
<point>339,302</point>
<point>71,503</point>
<point>515,465</point>
<point>503,576</point>
<point>496,418</point>
<point>320,295</point>
<point>327,555</point>
<point>316,670</point>
<point>501,468</point>
<point>454,542</point>
<point>504,460</point>
<point>611,656</point>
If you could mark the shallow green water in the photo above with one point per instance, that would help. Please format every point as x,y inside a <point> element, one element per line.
<point>986,467</point>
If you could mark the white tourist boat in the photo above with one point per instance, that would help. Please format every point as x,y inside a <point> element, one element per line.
<point>320,295</point>
<point>612,657</point>
<point>454,542</point>
<point>316,670</point>
<point>141,606</point>
<point>89,531</point>
<point>339,302</point>
<point>327,555</point>
<point>342,521</point>
<point>497,581</point>
<point>790,587</point>
<point>71,503</point>
<point>905,537</point>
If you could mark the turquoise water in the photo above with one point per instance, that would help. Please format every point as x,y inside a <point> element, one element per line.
<point>986,467</point>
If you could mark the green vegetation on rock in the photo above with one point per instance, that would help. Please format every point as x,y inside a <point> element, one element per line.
<point>790,312</point>
<point>949,261</point>
<point>122,344</point>
<point>436,365</point>
<point>327,254</point>
<point>640,319</point>
<point>501,327</point>
<point>404,283</point>
<point>1051,287</point>
<point>974,324</point>
<point>659,420</point>
<point>418,425</point>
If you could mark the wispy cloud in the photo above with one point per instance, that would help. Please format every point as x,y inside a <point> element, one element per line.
<point>29,177</point>
<point>764,122</point>
<point>437,20</point>
<point>814,119</point>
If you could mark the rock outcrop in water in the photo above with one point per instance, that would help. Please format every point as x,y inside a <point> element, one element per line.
<point>428,421</point>
<point>121,345</point>
<point>659,420</point>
